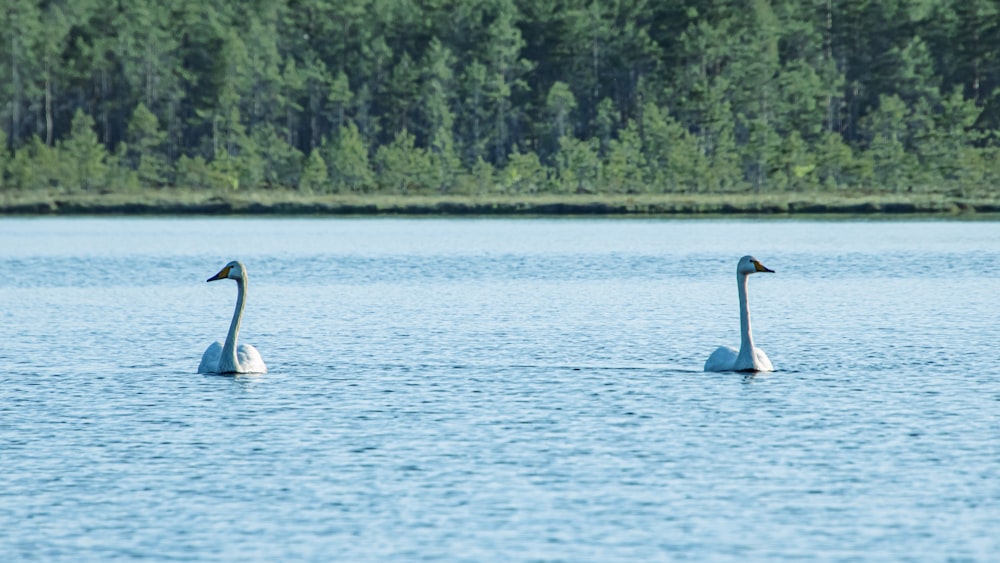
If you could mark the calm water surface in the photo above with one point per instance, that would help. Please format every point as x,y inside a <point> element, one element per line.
<point>505,390</point>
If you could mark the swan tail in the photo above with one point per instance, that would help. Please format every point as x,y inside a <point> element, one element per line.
<point>763,363</point>
<point>210,359</point>
<point>722,359</point>
<point>250,360</point>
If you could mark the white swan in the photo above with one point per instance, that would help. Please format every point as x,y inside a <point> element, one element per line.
<point>228,357</point>
<point>749,358</point>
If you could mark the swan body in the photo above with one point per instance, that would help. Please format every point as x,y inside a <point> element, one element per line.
<point>748,357</point>
<point>230,357</point>
<point>725,358</point>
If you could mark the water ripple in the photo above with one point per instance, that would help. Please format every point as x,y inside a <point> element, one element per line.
<point>498,390</point>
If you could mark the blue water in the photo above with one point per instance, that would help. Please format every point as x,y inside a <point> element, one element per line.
<point>508,390</point>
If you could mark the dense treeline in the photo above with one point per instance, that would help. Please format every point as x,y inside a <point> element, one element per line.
<point>501,96</point>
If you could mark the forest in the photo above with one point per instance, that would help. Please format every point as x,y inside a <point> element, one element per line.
<point>501,97</point>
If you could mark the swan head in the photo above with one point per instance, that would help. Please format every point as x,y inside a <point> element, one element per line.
<point>233,271</point>
<point>750,265</point>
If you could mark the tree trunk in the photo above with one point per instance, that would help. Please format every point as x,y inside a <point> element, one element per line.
<point>48,104</point>
<point>15,116</point>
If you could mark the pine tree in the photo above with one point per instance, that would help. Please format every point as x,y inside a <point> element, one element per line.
<point>762,154</point>
<point>339,99</point>
<point>674,160</point>
<point>36,167</point>
<point>402,166</point>
<point>145,146</point>
<point>314,174</point>
<point>524,174</point>
<point>437,117</point>
<point>835,163</point>
<point>886,129</point>
<point>505,72</point>
<point>560,104</point>
<point>796,165</point>
<point>578,166</point>
<point>400,95</point>
<point>348,162</point>
<point>482,178</point>
<point>195,173</point>
<point>625,162</point>
<point>280,163</point>
<point>85,156</point>
<point>293,89</point>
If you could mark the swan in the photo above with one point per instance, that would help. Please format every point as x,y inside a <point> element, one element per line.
<point>749,358</point>
<point>228,357</point>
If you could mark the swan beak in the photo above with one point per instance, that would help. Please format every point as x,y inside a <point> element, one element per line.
<point>223,274</point>
<point>761,268</point>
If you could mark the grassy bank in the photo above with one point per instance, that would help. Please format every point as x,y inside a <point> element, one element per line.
<point>282,202</point>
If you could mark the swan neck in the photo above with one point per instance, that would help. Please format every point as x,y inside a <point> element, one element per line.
<point>746,338</point>
<point>229,349</point>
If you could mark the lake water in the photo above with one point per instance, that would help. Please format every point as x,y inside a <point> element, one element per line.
<point>499,389</point>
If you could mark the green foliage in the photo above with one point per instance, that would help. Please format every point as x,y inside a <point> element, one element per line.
<point>835,164</point>
<point>717,140</point>
<point>120,176</point>
<point>886,128</point>
<point>560,104</point>
<point>348,162</point>
<point>674,159</point>
<point>795,164</point>
<point>524,174</point>
<point>438,119</point>
<point>501,96</point>
<point>195,173</point>
<point>625,163</point>
<point>505,72</point>
<point>578,167</point>
<point>446,167</point>
<point>339,98</point>
<point>482,179</point>
<point>761,155</point>
<point>35,166</point>
<point>314,174</point>
<point>399,98</point>
<point>84,156</point>
<point>224,172</point>
<point>145,150</point>
<point>402,166</point>
<point>4,161</point>
<point>281,164</point>
<point>803,104</point>
<point>605,124</point>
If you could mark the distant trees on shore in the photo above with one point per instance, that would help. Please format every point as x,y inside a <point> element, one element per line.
<point>501,96</point>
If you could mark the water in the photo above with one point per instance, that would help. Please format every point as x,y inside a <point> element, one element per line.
<point>506,390</point>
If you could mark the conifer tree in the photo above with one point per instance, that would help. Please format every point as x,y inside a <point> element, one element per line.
<point>144,155</point>
<point>348,162</point>
<point>314,174</point>
<point>85,156</point>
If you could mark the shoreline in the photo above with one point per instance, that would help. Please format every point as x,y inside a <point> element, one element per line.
<point>176,202</point>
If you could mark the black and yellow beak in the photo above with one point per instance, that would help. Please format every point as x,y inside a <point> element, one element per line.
<point>761,268</point>
<point>223,274</point>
